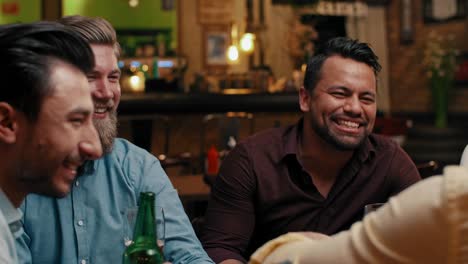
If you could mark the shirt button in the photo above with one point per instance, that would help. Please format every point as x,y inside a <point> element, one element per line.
<point>81,223</point>
<point>83,261</point>
<point>77,183</point>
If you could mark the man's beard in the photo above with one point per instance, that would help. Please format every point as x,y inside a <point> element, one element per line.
<point>331,138</point>
<point>335,140</point>
<point>107,130</point>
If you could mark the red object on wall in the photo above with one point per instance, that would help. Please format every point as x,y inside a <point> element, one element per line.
<point>462,72</point>
<point>212,161</point>
<point>10,8</point>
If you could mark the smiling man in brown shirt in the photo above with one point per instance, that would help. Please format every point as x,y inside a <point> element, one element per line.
<point>316,175</point>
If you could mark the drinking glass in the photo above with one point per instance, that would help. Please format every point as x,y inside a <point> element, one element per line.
<point>371,207</point>
<point>130,220</point>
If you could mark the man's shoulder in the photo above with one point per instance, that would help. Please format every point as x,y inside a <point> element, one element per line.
<point>383,143</point>
<point>388,149</point>
<point>124,148</point>
<point>268,138</point>
<point>123,145</point>
<point>125,155</point>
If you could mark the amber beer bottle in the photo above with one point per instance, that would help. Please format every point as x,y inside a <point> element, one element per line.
<point>144,249</point>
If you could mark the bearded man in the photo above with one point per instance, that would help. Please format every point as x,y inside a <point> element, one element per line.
<point>316,175</point>
<point>90,224</point>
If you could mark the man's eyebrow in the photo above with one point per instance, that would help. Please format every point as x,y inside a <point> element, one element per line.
<point>80,110</point>
<point>346,89</point>
<point>369,93</point>
<point>339,87</point>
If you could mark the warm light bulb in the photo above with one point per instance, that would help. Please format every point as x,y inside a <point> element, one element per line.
<point>134,80</point>
<point>133,3</point>
<point>247,42</point>
<point>233,53</point>
<point>137,82</point>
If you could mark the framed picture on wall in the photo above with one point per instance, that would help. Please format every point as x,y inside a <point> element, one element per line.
<point>438,11</point>
<point>216,42</point>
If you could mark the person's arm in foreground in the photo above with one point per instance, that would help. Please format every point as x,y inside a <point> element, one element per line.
<point>423,224</point>
<point>230,217</point>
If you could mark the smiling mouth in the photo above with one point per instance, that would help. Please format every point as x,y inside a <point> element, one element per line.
<point>350,128</point>
<point>73,163</point>
<point>348,124</point>
<point>100,110</point>
<point>72,166</point>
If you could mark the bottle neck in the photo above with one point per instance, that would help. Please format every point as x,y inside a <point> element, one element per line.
<point>145,226</point>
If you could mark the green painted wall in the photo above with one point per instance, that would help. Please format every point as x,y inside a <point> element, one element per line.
<point>147,15</point>
<point>29,11</point>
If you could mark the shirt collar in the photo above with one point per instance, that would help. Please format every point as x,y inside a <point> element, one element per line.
<point>12,215</point>
<point>290,140</point>
<point>366,150</point>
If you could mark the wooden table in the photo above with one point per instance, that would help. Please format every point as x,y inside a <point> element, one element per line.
<point>193,192</point>
<point>191,186</point>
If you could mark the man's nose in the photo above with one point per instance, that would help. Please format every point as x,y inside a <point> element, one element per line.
<point>90,147</point>
<point>353,105</point>
<point>102,89</point>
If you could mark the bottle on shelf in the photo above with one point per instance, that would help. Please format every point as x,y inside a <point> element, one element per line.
<point>144,249</point>
<point>212,161</point>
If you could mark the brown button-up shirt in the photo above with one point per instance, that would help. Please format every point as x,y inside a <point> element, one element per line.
<point>263,192</point>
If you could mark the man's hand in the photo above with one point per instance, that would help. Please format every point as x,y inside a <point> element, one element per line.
<point>264,251</point>
<point>314,235</point>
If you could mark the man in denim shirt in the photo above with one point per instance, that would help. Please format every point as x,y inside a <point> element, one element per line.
<point>89,225</point>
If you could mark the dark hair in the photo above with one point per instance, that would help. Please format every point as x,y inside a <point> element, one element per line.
<point>344,47</point>
<point>95,30</point>
<point>28,51</point>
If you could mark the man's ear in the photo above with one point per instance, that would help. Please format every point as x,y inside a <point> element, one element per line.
<point>304,99</point>
<point>8,123</point>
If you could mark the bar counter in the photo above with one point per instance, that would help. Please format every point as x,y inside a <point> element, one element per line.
<point>166,103</point>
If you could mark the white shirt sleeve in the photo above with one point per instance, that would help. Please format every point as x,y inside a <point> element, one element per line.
<point>424,224</point>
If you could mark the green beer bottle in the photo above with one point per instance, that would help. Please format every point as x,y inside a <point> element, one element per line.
<point>144,249</point>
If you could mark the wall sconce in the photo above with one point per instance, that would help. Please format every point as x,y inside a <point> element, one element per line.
<point>133,3</point>
<point>247,42</point>
<point>133,78</point>
<point>232,53</point>
<point>137,82</point>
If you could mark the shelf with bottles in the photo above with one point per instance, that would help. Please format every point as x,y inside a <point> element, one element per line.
<point>146,42</point>
<point>145,74</point>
